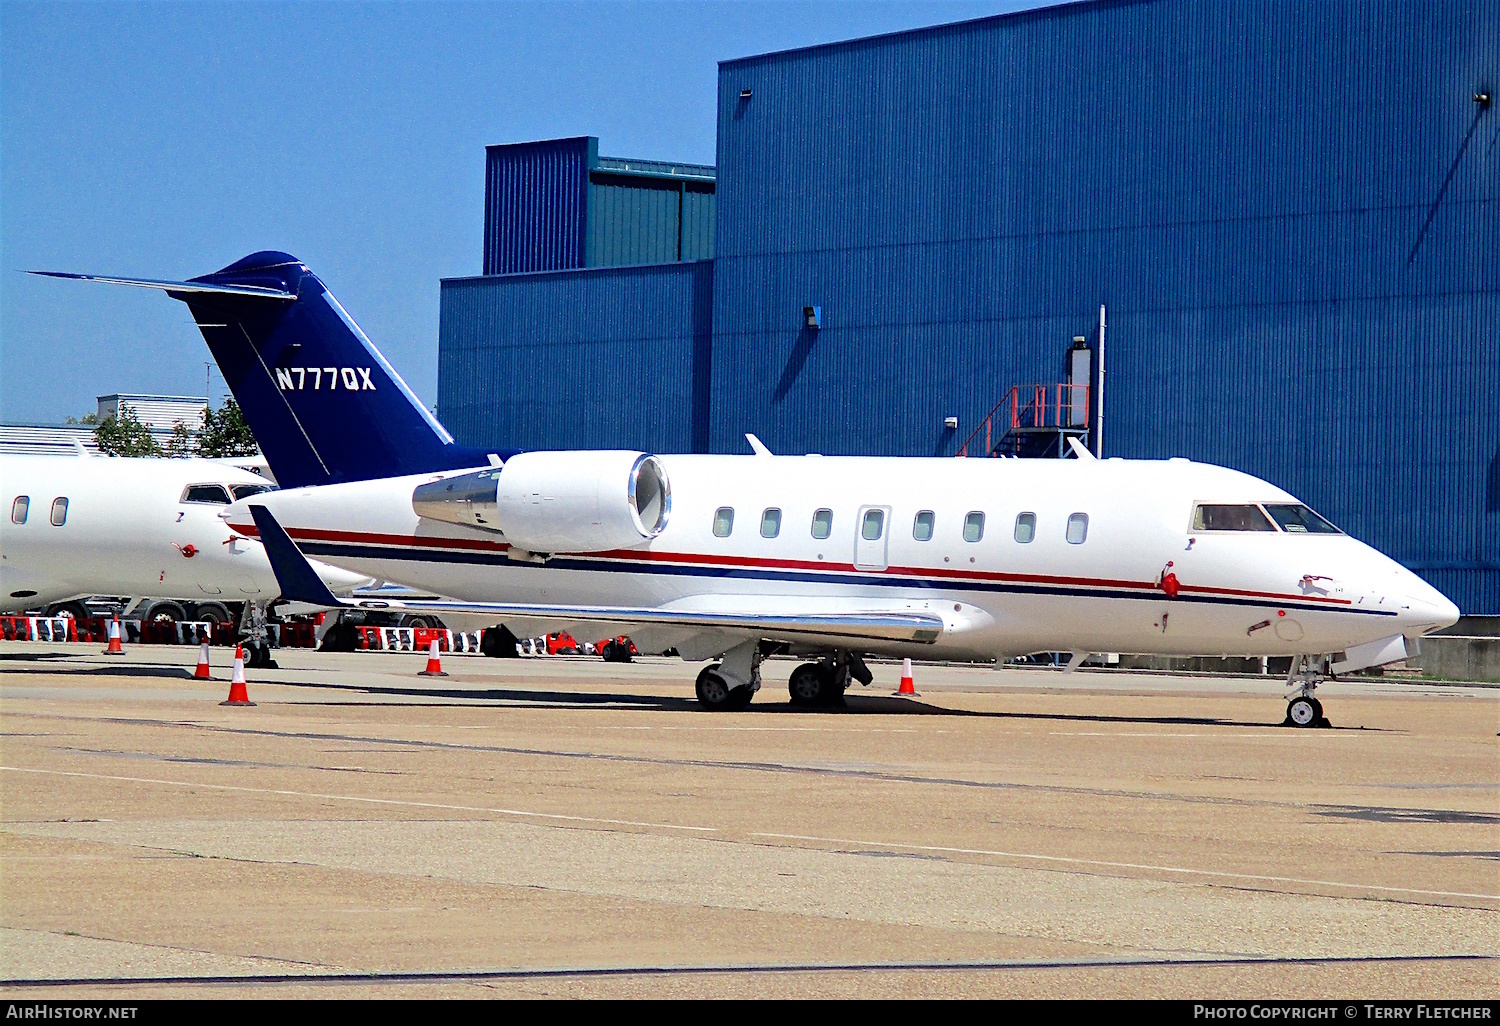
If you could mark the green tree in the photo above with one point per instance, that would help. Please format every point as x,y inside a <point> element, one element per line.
<point>89,419</point>
<point>125,435</point>
<point>182,443</point>
<point>225,432</point>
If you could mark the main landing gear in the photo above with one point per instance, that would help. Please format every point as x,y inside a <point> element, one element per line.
<point>1302,708</point>
<point>823,683</point>
<point>729,685</point>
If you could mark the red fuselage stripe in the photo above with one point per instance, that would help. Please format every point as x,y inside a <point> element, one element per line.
<point>705,559</point>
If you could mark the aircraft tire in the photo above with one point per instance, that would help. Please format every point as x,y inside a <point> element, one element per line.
<point>164,612</point>
<point>264,659</point>
<point>739,698</point>
<point>215,613</point>
<point>809,684</point>
<point>713,690</point>
<point>75,611</point>
<point>1303,712</point>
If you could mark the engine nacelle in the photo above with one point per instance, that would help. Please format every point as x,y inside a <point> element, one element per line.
<point>589,501</point>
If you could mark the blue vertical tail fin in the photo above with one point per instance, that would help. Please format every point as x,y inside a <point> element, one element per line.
<point>321,400</point>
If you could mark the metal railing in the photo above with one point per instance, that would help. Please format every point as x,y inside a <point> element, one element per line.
<point>1055,406</point>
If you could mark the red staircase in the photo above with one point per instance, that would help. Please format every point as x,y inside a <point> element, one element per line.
<point>1033,421</point>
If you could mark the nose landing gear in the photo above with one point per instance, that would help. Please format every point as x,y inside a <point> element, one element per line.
<point>1302,709</point>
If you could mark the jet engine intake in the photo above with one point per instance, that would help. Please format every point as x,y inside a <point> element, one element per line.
<point>589,501</point>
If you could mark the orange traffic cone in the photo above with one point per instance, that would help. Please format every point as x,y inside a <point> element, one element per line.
<point>114,638</point>
<point>237,694</point>
<point>201,673</point>
<point>908,686</point>
<point>434,664</point>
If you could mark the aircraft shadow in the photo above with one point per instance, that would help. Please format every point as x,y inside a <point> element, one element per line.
<point>876,704</point>
<point>131,670</point>
<point>511,696</point>
<point>854,704</point>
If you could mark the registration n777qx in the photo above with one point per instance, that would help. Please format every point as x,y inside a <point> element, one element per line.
<point>727,557</point>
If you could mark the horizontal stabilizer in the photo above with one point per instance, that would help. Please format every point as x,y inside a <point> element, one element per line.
<point>252,291</point>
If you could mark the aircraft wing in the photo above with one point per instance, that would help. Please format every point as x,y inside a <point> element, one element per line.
<point>299,582</point>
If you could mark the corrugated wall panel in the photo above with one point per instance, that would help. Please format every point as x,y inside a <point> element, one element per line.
<point>697,221</point>
<point>1290,210</point>
<point>600,358</point>
<point>632,220</point>
<point>535,199</point>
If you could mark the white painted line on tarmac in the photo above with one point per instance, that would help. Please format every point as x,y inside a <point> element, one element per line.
<point>1122,865</point>
<point>368,801</point>
<point>1261,736</point>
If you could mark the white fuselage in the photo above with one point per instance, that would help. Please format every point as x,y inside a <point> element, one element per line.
<point>1268,593</point>
<point>128,530</point>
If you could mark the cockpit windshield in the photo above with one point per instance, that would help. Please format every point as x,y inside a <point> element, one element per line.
<point>1220,517</point>
<point>244,491</point>
<point>1295,518</point>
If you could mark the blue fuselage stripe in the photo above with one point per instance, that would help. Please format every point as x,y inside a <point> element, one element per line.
<point>335,550</point>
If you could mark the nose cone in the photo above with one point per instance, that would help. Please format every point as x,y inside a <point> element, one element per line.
<point>1424,608</point>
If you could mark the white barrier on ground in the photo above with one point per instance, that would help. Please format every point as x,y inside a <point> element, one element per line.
<point>463,641</point>
<point>49,628</point>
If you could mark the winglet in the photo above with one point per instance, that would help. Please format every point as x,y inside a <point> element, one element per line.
<point>299,581</point>
<point>757,445</point>
<point>1079,449</point>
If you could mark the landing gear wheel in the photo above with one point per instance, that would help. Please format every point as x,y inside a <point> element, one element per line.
<point>1304,712</point>
<point>739,698</point>
<point>259,657</point>
<point>809,684</point>
<point>75,611</point>
<point>713,690</point>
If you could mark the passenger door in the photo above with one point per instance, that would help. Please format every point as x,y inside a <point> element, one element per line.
<point>872,531</point>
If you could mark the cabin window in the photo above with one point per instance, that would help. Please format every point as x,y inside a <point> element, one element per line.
<point>1295,518</point>
<point>1220,517</point>
<point>973,527</point>
<point>873,525</point>
<point>1025,528</point>
<point>206,493</point>
<point>723,521</point>
<point>59,511</point>
<point>1078,528</point>
<point>245,491</point>
<point>921,528</point>
<point>770,523</point>
<point>822,524</point>
<point>19,509</point>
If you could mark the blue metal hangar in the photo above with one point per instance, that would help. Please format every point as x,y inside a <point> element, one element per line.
<point>1290,213</point>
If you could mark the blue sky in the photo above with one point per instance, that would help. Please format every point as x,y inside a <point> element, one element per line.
<point>167,140</point>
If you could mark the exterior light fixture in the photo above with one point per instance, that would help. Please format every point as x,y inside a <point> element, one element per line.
<point>951,423</point>
<point>745,93</point>
<point>1483,99</point>
<point>813,316</point>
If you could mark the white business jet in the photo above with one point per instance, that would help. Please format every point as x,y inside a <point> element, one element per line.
<point>729,557</point>
<point>81,526</point>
